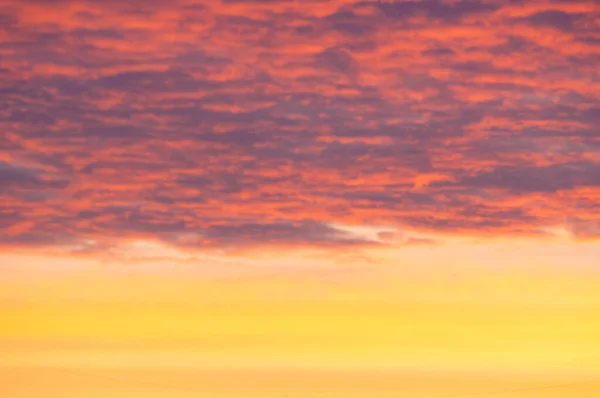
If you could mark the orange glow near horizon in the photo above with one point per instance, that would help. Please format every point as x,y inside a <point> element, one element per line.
<point>411,324</point>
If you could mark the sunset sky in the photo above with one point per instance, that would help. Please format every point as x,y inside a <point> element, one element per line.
<point>299,199</point>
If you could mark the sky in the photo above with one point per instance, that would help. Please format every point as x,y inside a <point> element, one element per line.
<point>284,198</point>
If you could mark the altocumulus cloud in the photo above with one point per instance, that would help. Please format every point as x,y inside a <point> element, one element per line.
<point>267,122</point>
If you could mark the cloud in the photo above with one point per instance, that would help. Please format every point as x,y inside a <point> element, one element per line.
<point>282,232</point>
<point>549,178</point>
<point>585,229</point>
<point>434,9</point>
<point>19,177</point>
<point>556,19</point>
<point>267,122</point>
<point>337,60</point>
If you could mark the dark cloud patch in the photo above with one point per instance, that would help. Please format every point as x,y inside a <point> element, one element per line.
<point>557,19</point>
<point>337,60</point>
<point>141,81</point>
<point>9,217</point>
<point>281,232</point>
<point>31,117</point>
<point>438,52</point>
<point>551,178</point>
<point>434,9</point>
<point>139,223</point>
<point>37,238</point>
<point>222,183</point>
<point>20,177</point>
<point>123,166</point>
<point>8,21</point>
<point>348,22</point>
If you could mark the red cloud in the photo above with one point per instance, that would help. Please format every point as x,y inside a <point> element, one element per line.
<point>249,122</point>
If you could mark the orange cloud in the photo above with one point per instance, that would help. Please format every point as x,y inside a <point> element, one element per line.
<point>250,122</point>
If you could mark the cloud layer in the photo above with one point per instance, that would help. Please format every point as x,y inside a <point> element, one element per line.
<point>248,122</point>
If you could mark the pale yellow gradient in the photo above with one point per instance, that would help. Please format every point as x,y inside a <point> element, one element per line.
<point>465,318</point>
